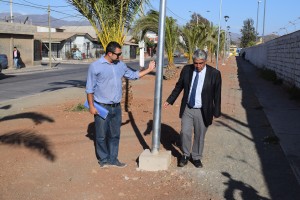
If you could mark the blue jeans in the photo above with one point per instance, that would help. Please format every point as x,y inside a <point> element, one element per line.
<point>16,63</point>
<point>108,135</point>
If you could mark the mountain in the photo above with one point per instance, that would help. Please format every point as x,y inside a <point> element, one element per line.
<point>42,20</point>
<point>235,38</point>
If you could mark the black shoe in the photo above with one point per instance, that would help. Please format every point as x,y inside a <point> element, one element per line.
<point>198,163</point>
<point>183,161</point>
<point>103,164</point>
<point>118,164</point>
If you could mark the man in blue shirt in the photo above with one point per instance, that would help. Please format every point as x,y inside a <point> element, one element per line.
<point>104,86</point>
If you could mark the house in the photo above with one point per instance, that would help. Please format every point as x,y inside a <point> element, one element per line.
<point>20,36</point>
<point>63,45</point>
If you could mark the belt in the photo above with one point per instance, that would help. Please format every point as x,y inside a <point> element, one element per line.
<point>111,105</point>
<point>191,107</point>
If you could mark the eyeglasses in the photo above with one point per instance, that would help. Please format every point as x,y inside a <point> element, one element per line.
<point>199,63</point>
<point>117,54</point>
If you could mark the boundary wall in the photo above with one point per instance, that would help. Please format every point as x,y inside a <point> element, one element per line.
<point>281,55</point>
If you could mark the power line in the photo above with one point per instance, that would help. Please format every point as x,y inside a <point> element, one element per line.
<point>44,6</point>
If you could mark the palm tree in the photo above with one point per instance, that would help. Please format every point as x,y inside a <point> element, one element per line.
<point>212,40</point>
<point>109,18</point>
<point>192,35</point>
<point>149,22</point>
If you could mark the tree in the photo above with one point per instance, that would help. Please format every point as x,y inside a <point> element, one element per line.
<point>197,19</point>
<point>109,18</point>
<point>192,35</point>
<point>150,23</point>
<point>212,40</point>
<point>248,34</point>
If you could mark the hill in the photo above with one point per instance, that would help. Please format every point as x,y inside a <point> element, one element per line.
<point>42,20</point>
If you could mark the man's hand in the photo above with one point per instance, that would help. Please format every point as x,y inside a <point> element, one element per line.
<point>150,68</point>
<point>151,65</point>
<point>166,104</point>
<point>93,110</point>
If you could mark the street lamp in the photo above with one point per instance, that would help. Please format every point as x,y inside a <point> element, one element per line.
<point>257,18</point>
<point>224,54</point>
<point>218,46</point>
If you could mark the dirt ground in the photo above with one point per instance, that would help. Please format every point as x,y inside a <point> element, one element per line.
<point>48,153</point>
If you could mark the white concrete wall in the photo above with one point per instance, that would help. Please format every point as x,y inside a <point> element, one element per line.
<point>281,55</point>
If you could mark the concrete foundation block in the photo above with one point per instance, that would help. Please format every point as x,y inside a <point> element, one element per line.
<point>154,162</point>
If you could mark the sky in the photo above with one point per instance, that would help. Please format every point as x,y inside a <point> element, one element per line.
<point>281,17</point>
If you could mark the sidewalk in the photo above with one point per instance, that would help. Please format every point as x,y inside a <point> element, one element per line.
<point>283,114</point>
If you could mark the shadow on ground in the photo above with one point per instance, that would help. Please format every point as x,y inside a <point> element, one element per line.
<point>278,175</point>
<point>30,140</point>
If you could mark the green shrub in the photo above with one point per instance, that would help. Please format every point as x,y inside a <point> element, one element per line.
<point>270,75</point>
<point>79,107</point>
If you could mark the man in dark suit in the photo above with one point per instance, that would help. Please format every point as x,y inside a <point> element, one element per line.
<point>201,101</point>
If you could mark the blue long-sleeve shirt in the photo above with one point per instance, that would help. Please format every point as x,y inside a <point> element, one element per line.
<point>104,80</point>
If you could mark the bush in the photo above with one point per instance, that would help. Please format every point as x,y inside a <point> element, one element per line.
<point>270,75</point>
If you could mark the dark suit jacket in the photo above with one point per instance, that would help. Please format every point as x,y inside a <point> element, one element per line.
<point>211,92</point>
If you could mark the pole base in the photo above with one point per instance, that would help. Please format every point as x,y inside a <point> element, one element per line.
<point>154,162</point>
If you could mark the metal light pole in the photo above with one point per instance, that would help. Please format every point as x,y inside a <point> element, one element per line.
<point>263,34</point>
<point>224,54</point>
<point>228,42</point>
<point>158,79</point>
<point>257,18</point>
<point>218,46</point>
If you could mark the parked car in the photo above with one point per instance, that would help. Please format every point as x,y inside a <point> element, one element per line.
<point>3,62</point>
<point>176,54</point>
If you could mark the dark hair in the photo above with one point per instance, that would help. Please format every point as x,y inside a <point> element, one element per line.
<point>111,47</point>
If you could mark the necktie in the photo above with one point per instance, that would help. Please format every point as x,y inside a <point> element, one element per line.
<point>193,92</point>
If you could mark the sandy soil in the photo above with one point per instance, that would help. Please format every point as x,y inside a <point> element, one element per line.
<point>47,150</point>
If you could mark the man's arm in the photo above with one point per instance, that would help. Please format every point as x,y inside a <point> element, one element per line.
<point>178,88</point>
<point>217,96</point>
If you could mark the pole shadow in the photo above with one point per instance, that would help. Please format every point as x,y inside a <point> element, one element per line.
<point>169,138</point>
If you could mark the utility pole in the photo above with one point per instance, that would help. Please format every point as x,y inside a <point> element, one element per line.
<point>50,52</point>
<point>11,12</point>
<point>257,18</point>
<point>218,46</point>
<point>263,35</point>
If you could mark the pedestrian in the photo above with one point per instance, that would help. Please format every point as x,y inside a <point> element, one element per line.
<point>16,58</point>
<point>201,101</point>
<point>104,86</point>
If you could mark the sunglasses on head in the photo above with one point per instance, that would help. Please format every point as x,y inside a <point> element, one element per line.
<point>117,54</point>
